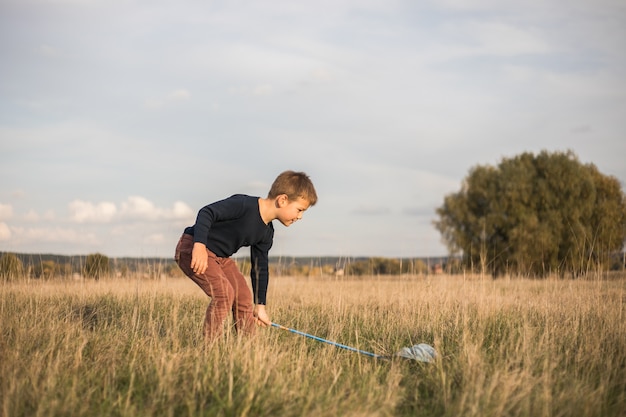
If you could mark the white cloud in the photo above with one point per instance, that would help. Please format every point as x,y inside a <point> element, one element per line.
<point>5,232</point>
<point>87,212</point>
<point>54,235</point>
<point>140,208</point>
<point>181,211</point>
<point>31,216</point>
<point>6,211</point>
<point>134,208</point>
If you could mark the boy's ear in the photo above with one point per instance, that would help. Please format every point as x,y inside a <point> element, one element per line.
<point>282,200</point>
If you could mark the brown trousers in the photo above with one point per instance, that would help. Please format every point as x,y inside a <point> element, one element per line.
<point>224,283</point>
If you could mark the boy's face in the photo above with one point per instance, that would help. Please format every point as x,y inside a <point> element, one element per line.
<point>290,211</point>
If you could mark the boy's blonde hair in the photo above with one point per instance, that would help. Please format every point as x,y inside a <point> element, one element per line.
<point>294,185</point>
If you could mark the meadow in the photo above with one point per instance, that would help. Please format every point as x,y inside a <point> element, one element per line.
<point>133,347</point>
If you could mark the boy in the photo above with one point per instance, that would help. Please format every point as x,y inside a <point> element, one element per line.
<point>203,251</point>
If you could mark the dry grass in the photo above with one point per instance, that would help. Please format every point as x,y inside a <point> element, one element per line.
<point>134,348</point>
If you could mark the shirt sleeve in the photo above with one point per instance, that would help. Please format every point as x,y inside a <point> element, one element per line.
<point>227,209</point>
<point>259,271</point>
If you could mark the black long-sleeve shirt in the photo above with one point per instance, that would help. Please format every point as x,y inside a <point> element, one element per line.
<point>227,225</point>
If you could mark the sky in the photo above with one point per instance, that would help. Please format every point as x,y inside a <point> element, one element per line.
<point>120,119</point>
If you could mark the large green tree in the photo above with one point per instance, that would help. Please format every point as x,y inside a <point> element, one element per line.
<point>97,266</point>
<point>535,215</point>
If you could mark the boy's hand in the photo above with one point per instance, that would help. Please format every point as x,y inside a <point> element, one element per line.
<point>262,319</point>
<point>199,258</point>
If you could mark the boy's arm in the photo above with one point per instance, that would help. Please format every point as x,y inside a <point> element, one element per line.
<point>259,274</point>
<point>226,209</point>
<point>199,258</point>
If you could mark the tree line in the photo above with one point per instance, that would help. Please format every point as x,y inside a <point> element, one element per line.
<point>14,266</point>
<point>95,266</point>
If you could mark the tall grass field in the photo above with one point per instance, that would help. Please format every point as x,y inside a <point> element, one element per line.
<point>134,347</point>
